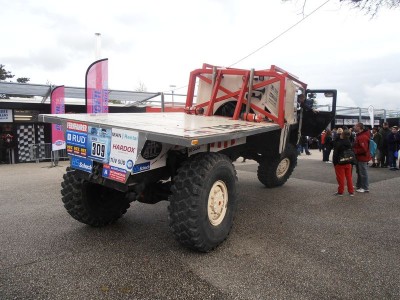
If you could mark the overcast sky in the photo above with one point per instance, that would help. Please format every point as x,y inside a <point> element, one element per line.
<point>159,42</point>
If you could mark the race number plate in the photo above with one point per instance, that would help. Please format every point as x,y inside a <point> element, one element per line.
<point>98,150</point>
<point>98,146</point>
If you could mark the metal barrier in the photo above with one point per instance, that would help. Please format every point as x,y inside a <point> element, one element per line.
<point>43,152</point>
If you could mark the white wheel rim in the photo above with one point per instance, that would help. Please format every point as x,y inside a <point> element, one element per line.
<point>283,167</point>
<point>217,203</point>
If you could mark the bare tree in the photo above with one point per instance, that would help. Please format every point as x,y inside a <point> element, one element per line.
<point>370,7</point>
<point>141,87</point>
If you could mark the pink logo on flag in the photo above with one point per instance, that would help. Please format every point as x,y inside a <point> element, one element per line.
<point>57,107</point>
<point>97,87</point>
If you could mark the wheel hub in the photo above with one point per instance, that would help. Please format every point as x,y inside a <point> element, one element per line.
<point>217,203</point>
<point>283,167</point>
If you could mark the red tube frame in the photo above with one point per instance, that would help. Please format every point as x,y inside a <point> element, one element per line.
<point>275,74</point>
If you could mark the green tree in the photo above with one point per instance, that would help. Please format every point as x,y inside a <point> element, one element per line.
<point>23,79</point>
<point>4,74</point>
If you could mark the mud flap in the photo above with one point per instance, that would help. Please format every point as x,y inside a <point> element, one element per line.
<point>283,138</point>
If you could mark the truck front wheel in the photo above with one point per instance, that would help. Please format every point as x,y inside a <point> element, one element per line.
<point>203,201</point>
<point>91,203</point>
<point>275,171</point>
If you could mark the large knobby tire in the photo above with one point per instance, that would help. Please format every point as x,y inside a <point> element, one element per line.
<point>203,201</point>
<point>275,171</point>
<point>91,203</point>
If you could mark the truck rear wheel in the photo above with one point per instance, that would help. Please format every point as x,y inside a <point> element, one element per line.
<point>91,203</point>
<point>275,171</point>
<point>203,201</point>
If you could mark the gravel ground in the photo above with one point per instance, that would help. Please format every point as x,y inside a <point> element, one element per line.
<point>293,242</point>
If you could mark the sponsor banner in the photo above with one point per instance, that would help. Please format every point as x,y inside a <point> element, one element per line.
<point>97,87</point>
<point>76,150</point>
<point>76,138</point>
<point>141,167</point>
<point>339,121</point>
<point>81,163</point>
<point>124,146</point>
<point>350,121</point>
<point>57,107</point>
<point>98,144</point>
<point>152,156</point>
<point>151,150</point>
<point>77,126</point>
<point>114,173</point>
<point>6,116</point>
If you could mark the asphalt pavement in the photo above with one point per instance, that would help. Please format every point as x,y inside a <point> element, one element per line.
<point>293,242</point>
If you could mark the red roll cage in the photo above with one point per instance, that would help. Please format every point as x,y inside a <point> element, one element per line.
<point>266,77</point>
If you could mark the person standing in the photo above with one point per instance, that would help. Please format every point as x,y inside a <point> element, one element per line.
<point>384,148</point>
<point>327,148</point>
<point>393,142</point>
<point>339,131</point>
<point>343,171</point>
<point>322,141</point>
<point>363,156</point>
<point>377,137</point>
<point>334,134</point>
<point>304,144</point>
<point>352,136</point>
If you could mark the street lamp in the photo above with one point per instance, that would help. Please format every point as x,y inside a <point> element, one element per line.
<point>172,86</point>
<point>97,45</point>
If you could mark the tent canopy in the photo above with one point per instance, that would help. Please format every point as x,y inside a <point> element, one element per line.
<point>27,89</point>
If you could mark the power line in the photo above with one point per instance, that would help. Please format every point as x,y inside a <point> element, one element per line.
<point>275,38</point>
<point>279,35</point>
<point>175,89</point>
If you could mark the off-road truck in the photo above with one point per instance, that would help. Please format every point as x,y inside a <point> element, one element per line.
<point>187,157</point>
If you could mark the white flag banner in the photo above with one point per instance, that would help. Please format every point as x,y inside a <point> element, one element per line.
<point>371,114</point>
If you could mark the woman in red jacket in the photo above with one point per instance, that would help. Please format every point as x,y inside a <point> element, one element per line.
<point>343,171</point>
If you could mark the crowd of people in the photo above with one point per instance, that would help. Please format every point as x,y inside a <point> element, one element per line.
<point>380,146</point>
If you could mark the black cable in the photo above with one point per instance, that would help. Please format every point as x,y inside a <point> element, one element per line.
<point>279,35</point>
<point>275,38</point>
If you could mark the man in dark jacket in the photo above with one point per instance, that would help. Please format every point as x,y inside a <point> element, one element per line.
<point>393,142</point>
<point>384,147</point>
<point>361,150</point>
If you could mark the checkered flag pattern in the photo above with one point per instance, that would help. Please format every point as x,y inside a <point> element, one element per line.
<point>26,137</point>
<point>40,141</point>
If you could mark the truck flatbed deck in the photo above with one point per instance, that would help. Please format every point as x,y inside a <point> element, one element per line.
<point>173,128</point>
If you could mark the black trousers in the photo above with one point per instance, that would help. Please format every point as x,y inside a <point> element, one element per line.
<point>384,157</point>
